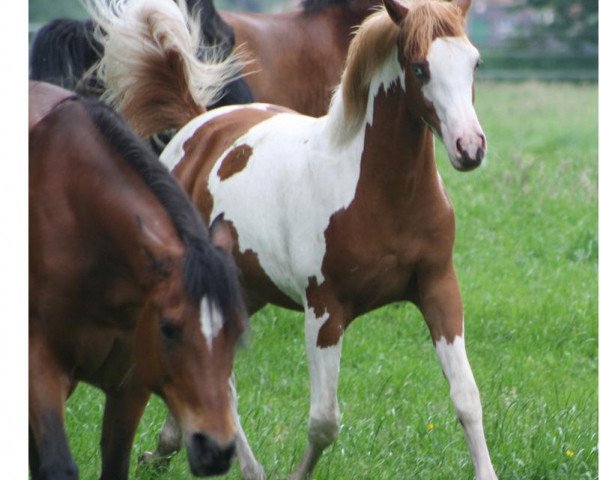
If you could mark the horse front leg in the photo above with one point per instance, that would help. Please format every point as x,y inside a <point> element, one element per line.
<point>50,457</point>
<point>122,414</point>
<point>250,468</point>
<point>323,335</point>
<point>441,305</point>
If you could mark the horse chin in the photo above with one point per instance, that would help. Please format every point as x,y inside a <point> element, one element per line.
<point>206,457</point>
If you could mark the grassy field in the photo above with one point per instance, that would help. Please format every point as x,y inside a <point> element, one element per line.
<point>526,256</point>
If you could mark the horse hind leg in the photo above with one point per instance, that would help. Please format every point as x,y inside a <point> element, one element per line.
<point>442,308</point>
<point>324,367</point>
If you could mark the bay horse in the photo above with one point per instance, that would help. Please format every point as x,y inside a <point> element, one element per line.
<point>126,291</point>
<point>296,58</point>
<point>338,215</point>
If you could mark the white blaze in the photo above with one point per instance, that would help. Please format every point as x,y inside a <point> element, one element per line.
<point>452,63</point>
<point>211,320</point>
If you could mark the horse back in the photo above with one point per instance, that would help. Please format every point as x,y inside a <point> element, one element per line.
<point>295,60</point>
<point>197,147</point>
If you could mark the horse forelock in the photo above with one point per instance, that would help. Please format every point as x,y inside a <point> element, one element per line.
<point>376,40</point>
<point>427,20</point>
<point>210,278</point>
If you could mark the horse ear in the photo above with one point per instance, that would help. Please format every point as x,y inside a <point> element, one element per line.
<point>396,10</point>
<point>156,259</point>
<point>220,234</point>
<point>464,5</point>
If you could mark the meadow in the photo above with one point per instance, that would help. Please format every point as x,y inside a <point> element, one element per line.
<point>526,257</point>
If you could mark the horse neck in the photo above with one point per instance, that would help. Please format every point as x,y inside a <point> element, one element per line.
<point>343,19</point>
<point>358,10</point>
<point>390,145</point>
<point>138,228</point>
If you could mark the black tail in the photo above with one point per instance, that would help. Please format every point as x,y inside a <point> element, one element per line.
<point>62,51</point>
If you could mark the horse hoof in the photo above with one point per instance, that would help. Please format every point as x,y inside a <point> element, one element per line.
<point>255,473</point>
<point>153,460</point>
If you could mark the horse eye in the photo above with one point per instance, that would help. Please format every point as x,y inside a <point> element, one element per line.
<point>478,64</point>
<point>419,70</point>
<point>168,330</point>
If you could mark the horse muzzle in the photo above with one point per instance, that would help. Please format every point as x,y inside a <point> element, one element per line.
<point>469,152</point>
<point>207,457</point>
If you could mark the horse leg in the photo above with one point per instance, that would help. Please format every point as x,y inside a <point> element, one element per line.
<point>169,443</point>
<point>50,457</point>
<point>441,305</point>
<point>324,366</point>
<point>122,414</point>
<point>249,466</point>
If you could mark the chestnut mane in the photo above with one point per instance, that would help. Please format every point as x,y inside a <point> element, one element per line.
<point>377,38</point>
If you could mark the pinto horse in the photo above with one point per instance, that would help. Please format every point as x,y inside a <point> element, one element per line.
<point>126,291</point>
<point>338,215</point>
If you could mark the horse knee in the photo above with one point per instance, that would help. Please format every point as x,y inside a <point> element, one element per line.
<point>323,431</point>
<point>169,439</point>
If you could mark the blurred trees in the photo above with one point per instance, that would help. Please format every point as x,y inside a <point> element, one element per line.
<point>41,11</point>
<point>563,25</point>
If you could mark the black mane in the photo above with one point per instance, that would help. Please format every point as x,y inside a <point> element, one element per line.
<point>207,270</point>
<point>312,6</point>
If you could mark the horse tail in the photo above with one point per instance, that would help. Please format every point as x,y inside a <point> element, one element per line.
<point>149,68</point>
<point>62,51</point>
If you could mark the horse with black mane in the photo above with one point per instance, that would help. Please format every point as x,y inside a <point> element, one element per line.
<point>126,291</point>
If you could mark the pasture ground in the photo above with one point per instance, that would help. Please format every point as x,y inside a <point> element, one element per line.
<point>526,256</point>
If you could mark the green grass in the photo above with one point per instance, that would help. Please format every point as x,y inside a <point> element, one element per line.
<point>526,256</point>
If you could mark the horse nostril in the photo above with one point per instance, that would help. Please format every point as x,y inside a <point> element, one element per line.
<point>459,146</point>
<point>207,457</point>
<point>483,141</point>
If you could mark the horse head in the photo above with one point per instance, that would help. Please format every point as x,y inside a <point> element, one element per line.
<point>438,62</point>
<point>185,344</point>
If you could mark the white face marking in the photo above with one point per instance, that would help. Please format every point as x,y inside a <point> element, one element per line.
<point>211,321</point>
<point>452,62</point>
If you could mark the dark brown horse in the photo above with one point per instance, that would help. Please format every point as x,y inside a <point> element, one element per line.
<point>337,215</point>
<point>126,291</point>
<point>297,58</point>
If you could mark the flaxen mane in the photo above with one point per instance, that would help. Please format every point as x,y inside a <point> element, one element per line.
<point>376,39</point>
